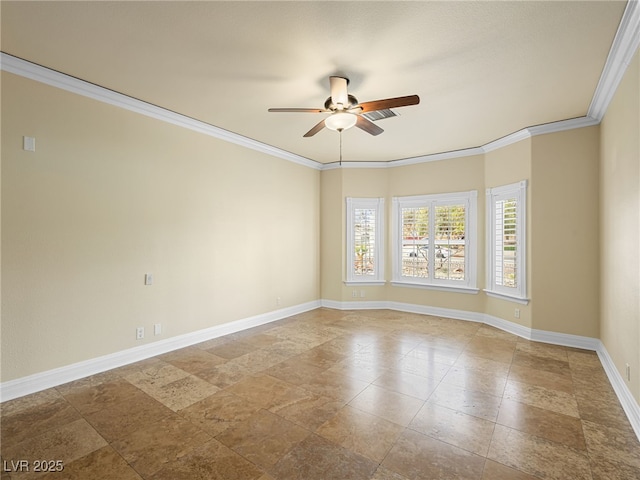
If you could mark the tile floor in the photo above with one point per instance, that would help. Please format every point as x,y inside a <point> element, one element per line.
<point>328,394</point>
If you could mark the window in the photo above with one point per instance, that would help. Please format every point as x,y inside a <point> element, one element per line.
<point>364,240</point>
<point>506,254</point>
<point>435,241</point>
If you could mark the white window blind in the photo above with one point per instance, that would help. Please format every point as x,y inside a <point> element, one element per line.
<point>364,241</point>
<point>365,254</point>
<point>434,240</point>
<point>506,254</point>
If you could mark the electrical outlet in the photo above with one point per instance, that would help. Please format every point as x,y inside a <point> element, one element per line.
<point>354,293</point>
<point>157,329</point>
<point>628,372</point>
<point>139,333</point>
<point>148,278</point>
<point>516,313</point>
<point>278,300</point>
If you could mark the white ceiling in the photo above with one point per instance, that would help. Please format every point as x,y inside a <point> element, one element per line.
<point>482,69</point>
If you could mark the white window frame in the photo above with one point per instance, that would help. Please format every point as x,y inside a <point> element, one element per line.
<point>378,277</point>
<point>519,192</point>
<point>469,200</point>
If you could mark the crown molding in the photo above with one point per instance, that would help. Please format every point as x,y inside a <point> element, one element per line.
<point>624,46</point>
<point>32,71</point>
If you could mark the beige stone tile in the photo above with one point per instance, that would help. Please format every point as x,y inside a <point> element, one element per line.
<point>467,360</point>
<point>219,411</point>
<point>92,398</point>
<point>137,366</point>
<point>497,471</point>
<point>316,458</point>
<point>192,359</point>
<point>232,349</point>
<point>91,381</point>
<point>481,380</point>
<point>66,443</point>
<point>102,464</point>
<point>257,361</point>
<point>31,421</point>
<point>383,473</point>
<point>156,375</point>
<point>259,340</point>
<point>407,383</point>
<point>493,332</point>
<point>330,384</point>
<point>418,456</point>
<point>267,391</point>
<point>321,356</point>
<point>540,422</point>
<point>541,378</point>
<point>601,406</point>
<point>612,444</point>
<point>263,438</point>
<point>496,349</point>
<point>542,350</point>
<point>543,363</point>
<point>367,371</point>
<point>347,344</point>
<point>583,357</point>
<point>554,400</point>
<point>309,411</point>
<point>294,371</point>
<point>537,456</point>
<point>392,406</point>
<point>434,353</point>
<point>225,374</point>
<point>361,432</point>
<point>180,393</point>
<point>266,476</point>
<point>123,418</point>
<point>453,427</point>
<point>152,447</point>
<point>471,402</point>
<point>424,367</point>
<point>285,349</point>
<point>211,461</point>
<point>30,401</point>
<point>602,469</point>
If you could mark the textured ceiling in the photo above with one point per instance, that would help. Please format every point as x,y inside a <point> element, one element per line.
<point>482,69</point>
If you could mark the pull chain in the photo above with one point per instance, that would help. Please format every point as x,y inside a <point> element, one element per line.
<point>340,132</point>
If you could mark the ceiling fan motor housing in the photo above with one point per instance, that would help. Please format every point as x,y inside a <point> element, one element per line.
<point>352,102</point>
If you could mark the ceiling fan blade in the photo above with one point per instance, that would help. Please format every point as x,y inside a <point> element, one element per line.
<point>390,103</point>
<point>339,91</point>
<point>303,110</point>
<point>368,126</point>
<point>319,126</point>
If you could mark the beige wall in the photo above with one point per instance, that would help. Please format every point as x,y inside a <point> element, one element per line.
<point>110,195</point>
<point>564,225</point>
<point>620,227</point>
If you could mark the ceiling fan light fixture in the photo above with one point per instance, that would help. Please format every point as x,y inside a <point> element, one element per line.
<point>340,121</point>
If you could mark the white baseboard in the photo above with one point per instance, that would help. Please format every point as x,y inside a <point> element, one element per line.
<point>51,378</point>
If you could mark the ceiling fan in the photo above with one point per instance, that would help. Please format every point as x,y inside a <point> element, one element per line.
<point>345,110</point>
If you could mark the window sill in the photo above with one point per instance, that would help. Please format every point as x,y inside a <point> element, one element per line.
<point>365,283</point>
<point>504,296</point>
<point>442,288</point>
